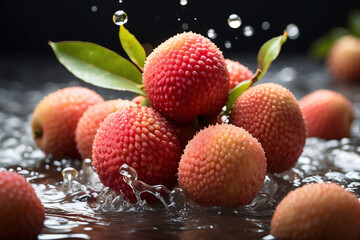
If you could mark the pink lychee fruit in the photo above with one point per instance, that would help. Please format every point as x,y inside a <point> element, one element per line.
<point>237,72</point>
<point>186,77</point>
<point>343,60</point>
<point>55,118</point>
<point>90,122</point>
<point>22,215</point>
<point>271,114</point>
<point>223,165</point>
<point>141,138</point>
<point>328,114</point>
<point>317,211</point>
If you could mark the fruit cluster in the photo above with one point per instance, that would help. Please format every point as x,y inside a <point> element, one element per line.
<point>179,137</point>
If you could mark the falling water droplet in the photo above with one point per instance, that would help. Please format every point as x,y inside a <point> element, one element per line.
<point>120,17</point>
<point>228,44</point>
<point>248,31</point>
<point>69,174</point>
<point>185,26</point>
<point>94,8</point>
<point>120,1</point>
<point>183,2</point>
<point>293,31</point>
<point>234,21</point>
<point>211,33</point>
<point>179,19</point>
<point>195,18</point>
<point>265,25</point>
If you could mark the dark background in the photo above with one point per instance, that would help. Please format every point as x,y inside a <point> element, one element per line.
<point>27,26</point>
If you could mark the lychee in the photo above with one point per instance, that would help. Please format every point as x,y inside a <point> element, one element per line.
<point>22,215</point>
<point>328,114</point>
<point>55,118</point>
<point>141,138</point>
<point>186,77</point>
<point>343,60</point>
<point>317,211</point>
<point>138,100</point>
<point>223,165</point>
<point>90,122</point>
<point>237,72</point>
<point>271,114</point>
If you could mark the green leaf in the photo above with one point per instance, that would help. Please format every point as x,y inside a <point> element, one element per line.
<point>269,52</point>
<point>354,22</point>
<point>99,66</point>
<point>321,46</point>
<point>132,47</point>
<point>239,89</point>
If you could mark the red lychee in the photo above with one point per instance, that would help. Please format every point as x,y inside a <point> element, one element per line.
<point>343,60</point>
<point>328,114</point>
<point>317,211</point>
<point>141,138</point>
<point>90,122</point>
<point>271,114</point>
<point>237,72</point>
<point>55,118</point>
<point>186,77</point>
<point>22,215</point>
<point>223,165</point>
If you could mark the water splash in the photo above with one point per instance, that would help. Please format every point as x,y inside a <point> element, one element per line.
<point>234,21</point>
<point>120,17</point>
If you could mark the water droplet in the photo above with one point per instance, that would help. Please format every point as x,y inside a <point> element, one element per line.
<point>265,25</point>
<point>120,1</point>
<point>185,26</point>
<point>211,33</point>
<point>195,18</point>
<point>248,31</point>
<point>234,21</point>
<point>183,2</point>
<point>228,44</point>
<point>287,74</point>
<point>120,17</point>
<point>94,8</point>
<point>293,31</point>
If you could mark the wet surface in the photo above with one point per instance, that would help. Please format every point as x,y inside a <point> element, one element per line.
<point>78,207</point>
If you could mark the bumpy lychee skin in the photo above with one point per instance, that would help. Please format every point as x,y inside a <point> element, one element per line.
<point>343,60</point>
<point>90,122</point>
<point>328,114</point>
<point>141,138</point>
<point>22,215</point>
<point>237,72</point>
<point>317,211</point>
<point>271,114</point>
<point>55,118</point>
<point>185,77</point>
<point>223,165</point>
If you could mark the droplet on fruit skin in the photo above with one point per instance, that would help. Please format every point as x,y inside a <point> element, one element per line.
<point>120,17</point>
<point>211,33</point>
<point>234,21</point>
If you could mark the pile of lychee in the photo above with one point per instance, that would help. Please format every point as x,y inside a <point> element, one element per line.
<point>181,139</point>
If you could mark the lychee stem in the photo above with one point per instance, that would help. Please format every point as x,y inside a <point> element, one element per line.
<point>38,133</point>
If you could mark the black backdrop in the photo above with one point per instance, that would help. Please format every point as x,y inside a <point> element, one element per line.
<point>27,26</point>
